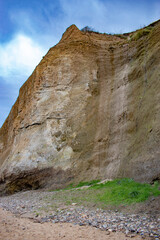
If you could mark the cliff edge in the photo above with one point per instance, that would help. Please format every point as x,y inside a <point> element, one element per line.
<point>90,110</point>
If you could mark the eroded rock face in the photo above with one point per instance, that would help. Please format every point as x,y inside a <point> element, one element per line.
<point>90,110</point>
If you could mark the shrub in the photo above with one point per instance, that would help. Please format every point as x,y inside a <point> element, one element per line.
<point>87,29</point>
<point>140,33</point>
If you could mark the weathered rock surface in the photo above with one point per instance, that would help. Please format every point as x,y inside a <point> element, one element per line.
<point>90,110</point>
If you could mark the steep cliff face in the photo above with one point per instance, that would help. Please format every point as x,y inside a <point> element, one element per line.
<point>90,110</point>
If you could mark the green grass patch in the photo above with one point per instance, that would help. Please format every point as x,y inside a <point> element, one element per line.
<point>103,195</point>
<point>125,191</point>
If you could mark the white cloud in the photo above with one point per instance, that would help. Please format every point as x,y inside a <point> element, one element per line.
<point>38,32</point>
<point>43,28</point>
<point>19,57</point>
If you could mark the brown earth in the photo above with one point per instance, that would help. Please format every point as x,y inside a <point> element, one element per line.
<point>14,228</point>
<point>90,110</point>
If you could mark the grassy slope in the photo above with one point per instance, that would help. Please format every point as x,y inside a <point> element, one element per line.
<point>112,193</point>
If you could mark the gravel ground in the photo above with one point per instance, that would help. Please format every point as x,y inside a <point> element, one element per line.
<point>27,205</point>
<point>14,228</point>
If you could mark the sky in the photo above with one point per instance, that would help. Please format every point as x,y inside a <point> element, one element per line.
<point>28,28</point>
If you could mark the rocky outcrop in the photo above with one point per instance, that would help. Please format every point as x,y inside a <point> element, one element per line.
<point>90,110</point>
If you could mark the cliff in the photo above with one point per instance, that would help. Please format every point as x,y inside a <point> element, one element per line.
<point>90,110</point>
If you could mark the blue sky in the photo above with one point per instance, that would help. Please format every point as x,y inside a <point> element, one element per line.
<point>28,28</point>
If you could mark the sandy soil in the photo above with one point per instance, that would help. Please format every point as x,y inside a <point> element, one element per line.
<point>14,228</point>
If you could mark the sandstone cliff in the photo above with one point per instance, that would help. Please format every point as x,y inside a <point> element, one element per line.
<point>90,110</point>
